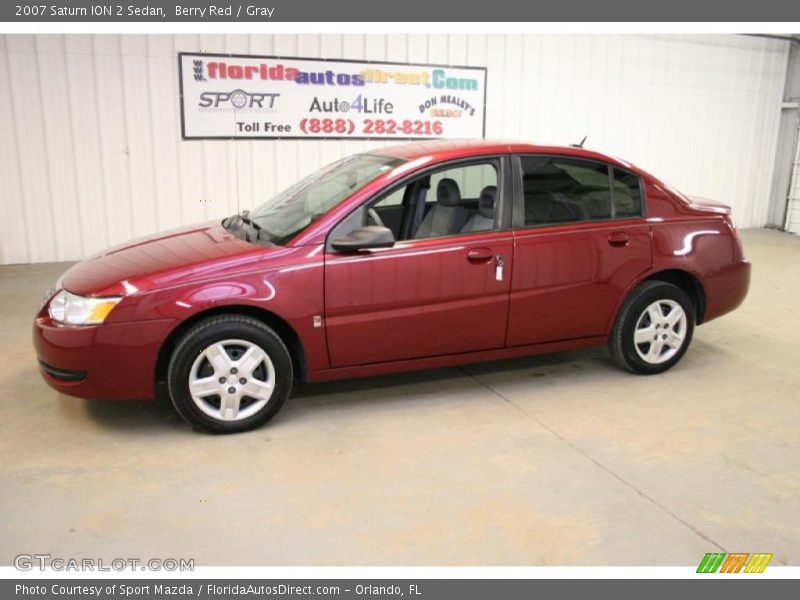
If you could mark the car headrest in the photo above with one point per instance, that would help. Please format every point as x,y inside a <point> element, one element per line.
<point>486,201</point>
<point>447,193</point>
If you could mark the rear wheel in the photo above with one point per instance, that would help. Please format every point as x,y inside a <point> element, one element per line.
<point>653,329</point>
<point>228,374</point>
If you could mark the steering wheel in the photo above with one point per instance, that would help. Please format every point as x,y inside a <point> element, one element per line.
<point>376,219</point>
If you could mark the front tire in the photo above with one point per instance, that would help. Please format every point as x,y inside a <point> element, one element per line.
<point>229,373</point>
<point>653,329</point>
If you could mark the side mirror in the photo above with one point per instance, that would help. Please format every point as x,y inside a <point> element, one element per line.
<point>364,238</point>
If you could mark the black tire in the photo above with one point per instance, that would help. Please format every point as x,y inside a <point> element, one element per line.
<point>621,341</point>
<point>217,329</point>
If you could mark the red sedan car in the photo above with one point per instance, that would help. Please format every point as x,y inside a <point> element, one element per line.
<point>416,256</point>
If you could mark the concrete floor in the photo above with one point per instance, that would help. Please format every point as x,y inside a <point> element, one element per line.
<point>563,459</point>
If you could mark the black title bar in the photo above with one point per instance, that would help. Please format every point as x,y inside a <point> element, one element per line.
<point>194,11</point>
<point>712,586</point>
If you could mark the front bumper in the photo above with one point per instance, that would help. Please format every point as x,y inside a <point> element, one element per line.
<point>112,361</point>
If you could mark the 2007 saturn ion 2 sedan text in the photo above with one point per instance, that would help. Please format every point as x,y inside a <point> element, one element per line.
<point>416,256</point>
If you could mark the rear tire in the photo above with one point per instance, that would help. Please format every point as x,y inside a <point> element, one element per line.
<point>653,329</point>
<point>229,373</point>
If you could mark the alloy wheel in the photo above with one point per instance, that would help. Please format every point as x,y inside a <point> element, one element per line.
<point>232,380</point>
<point>660,331</point>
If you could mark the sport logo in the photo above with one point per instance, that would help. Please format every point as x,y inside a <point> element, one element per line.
<point>735,562</point>
<point>239,99</point>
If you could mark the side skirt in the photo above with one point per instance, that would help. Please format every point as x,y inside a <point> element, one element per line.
<point>449,360</point>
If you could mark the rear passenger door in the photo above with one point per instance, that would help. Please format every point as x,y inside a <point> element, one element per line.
<point>580,239</point>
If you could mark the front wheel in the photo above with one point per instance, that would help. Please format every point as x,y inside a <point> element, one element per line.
<point>653,329</point>
<point>228,374</point>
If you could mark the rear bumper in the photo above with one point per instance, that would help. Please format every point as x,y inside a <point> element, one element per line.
<point>726,289</point>
<point>111,361</point>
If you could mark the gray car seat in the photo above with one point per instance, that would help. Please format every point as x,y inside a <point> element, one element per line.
<point>447,216</point>
<point>484,219</point>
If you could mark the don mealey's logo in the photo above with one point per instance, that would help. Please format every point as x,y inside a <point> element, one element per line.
<point>238,99</point>
<point>447,105</point>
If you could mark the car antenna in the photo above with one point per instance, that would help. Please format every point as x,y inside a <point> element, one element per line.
<point>581,144</point>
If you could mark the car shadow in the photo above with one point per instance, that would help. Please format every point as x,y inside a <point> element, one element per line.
<point>351,394</point>
<point>407,387</point>
<point>129,416</point>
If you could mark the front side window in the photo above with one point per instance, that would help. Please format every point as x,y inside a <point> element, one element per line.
<point>287,214</point>
<point>459,199</point>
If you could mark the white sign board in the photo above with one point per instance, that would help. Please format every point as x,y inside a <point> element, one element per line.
<point>233,97</point>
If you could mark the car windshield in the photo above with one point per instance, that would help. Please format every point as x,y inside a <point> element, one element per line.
<point>287,214</point>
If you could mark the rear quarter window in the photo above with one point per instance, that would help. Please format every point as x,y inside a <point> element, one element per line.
<point>627,195</point>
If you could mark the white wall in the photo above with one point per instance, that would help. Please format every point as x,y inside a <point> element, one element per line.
<point>793,208</point>
<point>90,149</point>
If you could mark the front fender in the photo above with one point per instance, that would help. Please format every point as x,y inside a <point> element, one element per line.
<point>291,289</point>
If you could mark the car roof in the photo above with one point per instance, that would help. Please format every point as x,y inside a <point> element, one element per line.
<point>450,149</point>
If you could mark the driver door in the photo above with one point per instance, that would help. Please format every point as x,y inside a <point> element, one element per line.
<point>443,288</point>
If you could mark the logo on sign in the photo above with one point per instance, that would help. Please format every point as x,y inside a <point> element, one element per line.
<point>238,99</point>
<point>361,104</point>
<point>446,106</point>
<point>277,72</point>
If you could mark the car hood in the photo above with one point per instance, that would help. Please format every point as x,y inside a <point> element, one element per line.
<point>160,259</point>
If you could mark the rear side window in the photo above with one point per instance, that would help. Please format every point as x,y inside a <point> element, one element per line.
<point>564,190</point>
<point>561,189</point>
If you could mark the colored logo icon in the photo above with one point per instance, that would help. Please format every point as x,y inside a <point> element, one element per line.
<point>734,562</point>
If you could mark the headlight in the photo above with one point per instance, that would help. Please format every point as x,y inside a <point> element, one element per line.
<point>78,310</point>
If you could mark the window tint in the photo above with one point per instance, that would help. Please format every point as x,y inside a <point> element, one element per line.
<point>564,190</point>
<point>627,195</point>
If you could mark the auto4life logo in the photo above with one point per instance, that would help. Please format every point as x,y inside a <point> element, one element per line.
<point>361,104</point>
<point>735,562</point>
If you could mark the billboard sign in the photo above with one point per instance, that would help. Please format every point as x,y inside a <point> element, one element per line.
<point>227,96</point>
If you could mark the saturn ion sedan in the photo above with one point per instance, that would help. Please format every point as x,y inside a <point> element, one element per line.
<point>410,257</point>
